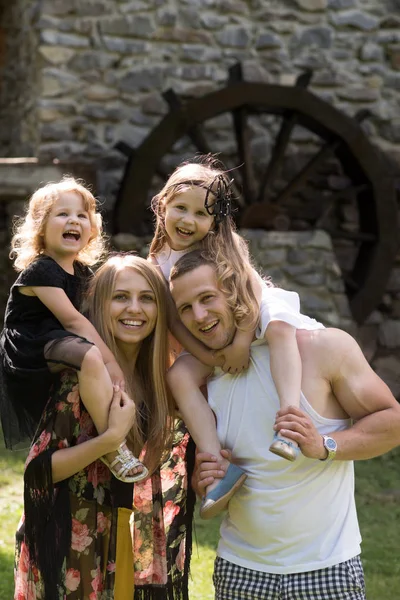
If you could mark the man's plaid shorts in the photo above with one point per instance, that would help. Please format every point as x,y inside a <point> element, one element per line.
<point>344,581</point>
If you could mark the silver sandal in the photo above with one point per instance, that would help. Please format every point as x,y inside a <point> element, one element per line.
<point>125,461</point>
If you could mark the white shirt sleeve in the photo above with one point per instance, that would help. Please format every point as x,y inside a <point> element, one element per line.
<point>281,305</point>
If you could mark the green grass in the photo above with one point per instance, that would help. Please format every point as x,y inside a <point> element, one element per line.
<point>378,501</point>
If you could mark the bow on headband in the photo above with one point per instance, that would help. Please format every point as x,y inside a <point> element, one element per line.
<point>221,206</point>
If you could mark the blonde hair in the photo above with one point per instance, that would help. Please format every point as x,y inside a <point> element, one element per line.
<point>28,241</point>
<point>146,383</point>
<point>226,248</point>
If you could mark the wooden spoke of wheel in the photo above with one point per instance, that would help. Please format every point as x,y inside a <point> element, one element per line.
<point>299,180</point>
<point>242,139</point>
<point>194,132</point>
<point>330,200</point>
<point>282,141</point>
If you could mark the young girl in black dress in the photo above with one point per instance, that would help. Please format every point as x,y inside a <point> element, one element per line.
<point>44,332</point>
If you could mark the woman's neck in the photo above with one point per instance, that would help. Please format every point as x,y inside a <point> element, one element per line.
<point>128,354</point>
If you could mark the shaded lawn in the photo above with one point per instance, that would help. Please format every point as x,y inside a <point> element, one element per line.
<point>378,501</point>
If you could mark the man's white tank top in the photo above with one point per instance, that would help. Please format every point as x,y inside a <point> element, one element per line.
<point>287,517</point>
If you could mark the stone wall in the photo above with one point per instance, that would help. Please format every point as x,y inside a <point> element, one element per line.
<point>88,74</point>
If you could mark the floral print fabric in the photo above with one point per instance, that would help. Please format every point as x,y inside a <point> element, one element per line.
<point>160,536</point>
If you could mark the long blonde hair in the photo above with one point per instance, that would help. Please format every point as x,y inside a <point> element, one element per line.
<point>227,249</point>
<point>146,382</point>
<point>28,241</point>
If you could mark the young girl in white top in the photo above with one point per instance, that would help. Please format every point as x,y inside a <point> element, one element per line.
<point>44,330</point>
<point>194,210</point>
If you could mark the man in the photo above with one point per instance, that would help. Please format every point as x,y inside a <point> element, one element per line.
<point>291,532</point>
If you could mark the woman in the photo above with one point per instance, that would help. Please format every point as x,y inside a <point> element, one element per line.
<point>76,538</point>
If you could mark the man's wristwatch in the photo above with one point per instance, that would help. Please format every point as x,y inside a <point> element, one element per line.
<point>331,446</point>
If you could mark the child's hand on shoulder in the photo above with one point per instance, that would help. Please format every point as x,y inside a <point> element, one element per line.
<point>116,374</point>
<point>236,358</point>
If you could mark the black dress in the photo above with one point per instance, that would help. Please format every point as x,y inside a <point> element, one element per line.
<point>30,328</point>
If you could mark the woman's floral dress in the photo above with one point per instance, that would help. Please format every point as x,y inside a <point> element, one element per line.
<point>74,528</point>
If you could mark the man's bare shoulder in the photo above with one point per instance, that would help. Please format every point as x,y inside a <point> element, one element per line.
<point>321,343</point>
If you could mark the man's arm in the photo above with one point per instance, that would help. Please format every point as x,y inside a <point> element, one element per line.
<point>363,396</point>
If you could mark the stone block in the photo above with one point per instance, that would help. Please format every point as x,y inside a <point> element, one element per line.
<point>358,94</point>
<point>341,4</point>
<point>182,35</point>
<point>111,112</point>
<point>167,17</point>
<point>56,82</point>
<point>58,7</point>
<point>267,39</point>
<point>234,6</point>
<point>200,53</point>
<point>154,104</point>
<point>356,19</point>
<point>56,55</point>
<point>141,26</point>
<point>55,131</point>
<point>93,60</point>
<point>125,45</point>
<point>137,6</point>
<point>100,92</point>
<point>56,38</point>
<point>142,78</point>
<point>316,302</point>
<point>213,22</point>
<point>315,239</point>
<point>321,37</point>
<point>234,36</point>
<point>312,5</point>
<point>371,52</point>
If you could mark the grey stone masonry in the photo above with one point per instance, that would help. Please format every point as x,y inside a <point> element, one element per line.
<point>121,54</point>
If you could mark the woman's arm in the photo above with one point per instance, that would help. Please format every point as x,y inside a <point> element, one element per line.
<point>68,461</point>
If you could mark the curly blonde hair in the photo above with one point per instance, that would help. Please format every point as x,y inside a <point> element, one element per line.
<point>226,248</point>
<point>146,382</point>
<point>28,241</point>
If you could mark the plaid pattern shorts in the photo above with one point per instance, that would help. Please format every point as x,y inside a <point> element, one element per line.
<point>344,581</point>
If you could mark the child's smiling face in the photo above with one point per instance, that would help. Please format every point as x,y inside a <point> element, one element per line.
<point>68,227</point>
<point>186,220</point>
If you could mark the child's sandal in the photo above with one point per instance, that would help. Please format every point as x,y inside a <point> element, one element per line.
<point>123,463</point>
<point>284,448</point>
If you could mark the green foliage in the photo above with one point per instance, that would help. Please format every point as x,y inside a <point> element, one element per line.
<point>378,501</point>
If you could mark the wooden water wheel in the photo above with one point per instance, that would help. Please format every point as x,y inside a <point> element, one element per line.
<point>344,172</point>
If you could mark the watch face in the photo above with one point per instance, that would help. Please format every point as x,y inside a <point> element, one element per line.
<point>330,444</point>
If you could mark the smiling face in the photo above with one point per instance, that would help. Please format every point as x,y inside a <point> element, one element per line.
<point>68,227</point>
<point>203,308</point>
<point>133,309</point>
<point>186,220</point>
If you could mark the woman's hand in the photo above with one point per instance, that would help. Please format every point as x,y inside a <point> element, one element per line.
<point>121,416</point>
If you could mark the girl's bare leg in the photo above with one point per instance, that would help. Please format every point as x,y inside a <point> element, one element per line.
<point>96,391</point>
<point>286,369</point>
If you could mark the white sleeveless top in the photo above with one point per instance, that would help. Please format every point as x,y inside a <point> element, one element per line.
<point>287,517</point>
<point>167,257</point>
